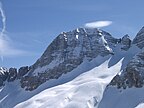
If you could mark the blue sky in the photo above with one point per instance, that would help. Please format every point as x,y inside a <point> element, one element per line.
<point>32,24</point>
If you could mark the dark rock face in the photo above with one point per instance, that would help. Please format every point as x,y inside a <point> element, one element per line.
<point>12,74</point>
<point>133,75</point>
<point>34,82</point>
<point>126,42</point>
<point>66,52</point>
<point>3,75</point>
<point>74,44</point>
<point>139,39</point>
<point>22,71</point>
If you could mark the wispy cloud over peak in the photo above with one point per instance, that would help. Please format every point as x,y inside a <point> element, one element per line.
<point>3,19</point>
<point>6,47</point>
<point>98,24</point>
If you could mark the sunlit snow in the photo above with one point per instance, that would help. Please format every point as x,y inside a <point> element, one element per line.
<point>85,91</point>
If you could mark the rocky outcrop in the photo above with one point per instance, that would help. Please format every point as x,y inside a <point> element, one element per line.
<point>31,83</point>
<point>133,75</point>
<point>67,52</point>
<point>3,75</point>
<point>126,42</point>
<point>12,74</point>
<point>139,39</point>
<point>22,71</point>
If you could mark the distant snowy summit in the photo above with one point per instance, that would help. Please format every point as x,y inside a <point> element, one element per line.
<point>70,49</point>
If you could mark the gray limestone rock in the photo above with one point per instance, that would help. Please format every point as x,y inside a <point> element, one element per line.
<point>126,42</point>
<point>12,74</point>
<point>132,75</point>
<point>3,75</point>
<point>22,71</point>
<point>139,39</point>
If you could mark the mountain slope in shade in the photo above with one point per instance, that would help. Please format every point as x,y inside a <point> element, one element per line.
<point>122,98</point>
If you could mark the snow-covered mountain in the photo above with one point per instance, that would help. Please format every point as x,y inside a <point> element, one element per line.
<point>66,53</point>
<point>83,68</point>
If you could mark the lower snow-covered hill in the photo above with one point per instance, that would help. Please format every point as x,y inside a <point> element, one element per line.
<point>122,98</point>
<point>84,91</point>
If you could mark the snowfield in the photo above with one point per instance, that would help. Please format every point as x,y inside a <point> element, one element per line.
<point>121,98</point>
<point>85,91</point>
<point>141,105</point>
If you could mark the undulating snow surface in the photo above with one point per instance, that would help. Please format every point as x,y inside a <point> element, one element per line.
<point>12,94</point>
<point>121,98</point>
<point>141,105</point>
<point>85,91</point>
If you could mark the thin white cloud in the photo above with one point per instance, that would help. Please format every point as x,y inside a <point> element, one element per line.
<point>98,24</point>
<point>3,18</point>
<point>7,49</point>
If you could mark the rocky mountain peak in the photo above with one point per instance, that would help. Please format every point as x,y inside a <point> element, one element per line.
<point>79,43</point>
<point>66,52</point>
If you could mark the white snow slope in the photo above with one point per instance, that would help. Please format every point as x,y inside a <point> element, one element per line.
<point>141,105</point>
<point>121,98</point>
<point>85,91</point>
